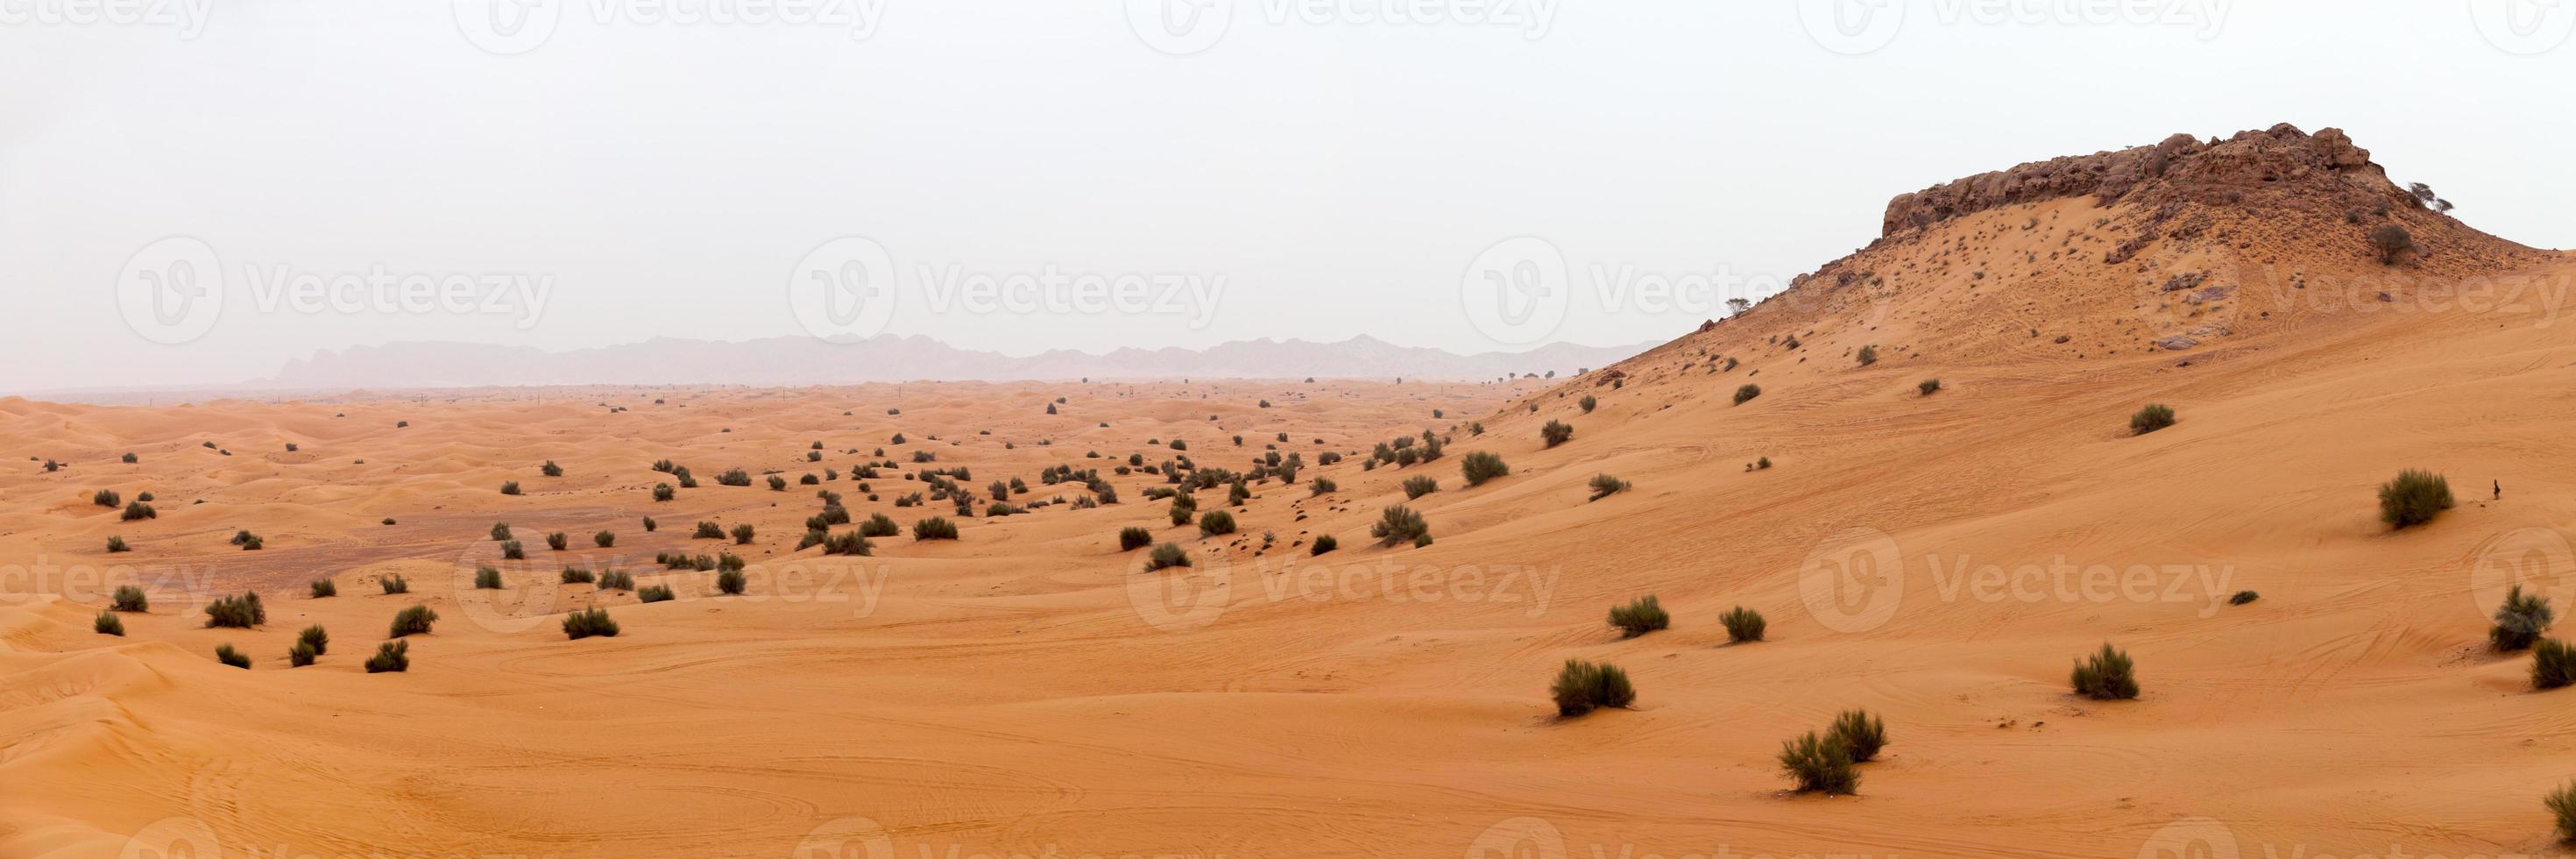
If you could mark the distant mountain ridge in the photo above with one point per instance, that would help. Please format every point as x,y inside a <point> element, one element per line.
<point>793,361</point>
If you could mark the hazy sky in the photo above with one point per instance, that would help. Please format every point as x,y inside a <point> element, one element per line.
<point>1092,174</point>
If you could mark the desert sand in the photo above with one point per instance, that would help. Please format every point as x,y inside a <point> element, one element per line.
<point>1030,689</point>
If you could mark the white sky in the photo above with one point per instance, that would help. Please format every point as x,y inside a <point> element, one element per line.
<point>1341,176</point>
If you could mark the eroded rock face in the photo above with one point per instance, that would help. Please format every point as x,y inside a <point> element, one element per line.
<point>2281,165</point>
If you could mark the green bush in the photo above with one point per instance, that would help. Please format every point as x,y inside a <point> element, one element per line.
<point>1929,387</point>
<point>138,510</point>
<point>2154,417</point>
<point>1868,355</point>
<point>1216,522</point>
<point>1860,732</point>
<point>1743,624</point>
<point>1323,544</point>
<point>1604,486</point>
<point>604,539</point>
<point>500,531</point>
<point>412,621</point>
<point>650,526</point>
<point>577,576</point>
<point>1556,433</point>
<point>106,498</point>
<point>394,584</point>
<point>730,582</point>
<point>708,531</point>
<point>2413,498</point>
<point>2520,620</point>
<point>1322,485</point>
<point>298,655</point>
<point>558,541</point>
<point>734,477</point>
<point>1640,617</point>
<point>107,623</point>
<point>511,550</point>
<point>616,580</point>
<point>589,622</point>
<point>1420,485</point>
<point>1581,687</point>
<point>934,528</point>
<point>742,534</point>
<point>654,593</point>
<point>117,544</point>
<point>2562,807</point>
<point>1746,394</point>
<point>551,469</point>
<point>510,487</point>
<point>1167,555</point>
<point>487,578</point>
<point>662,492</point>
<point>390,656</point>
<point>315,637</point>
<point>879,525</point>
<point>1398,523</point>
<point>1587,403</point>
<point>129,598</point>
<point>254,544</point>
<point>1819,764</point>
<point>2553,664</point>
<point>2107,675</point>
<point>1132,538</point>
<point>2243,597</point>
<point>225,654</point>
<point>325,588</point>
<point>777,483</point>
<point>237,612</point>
<point>1480,466</point>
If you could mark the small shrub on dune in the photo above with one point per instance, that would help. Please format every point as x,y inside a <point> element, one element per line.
<point>734,477</point>
<point>1133,538</point>
<point>325,588</point>
<point>117,544</point>
<point>107,623</point>
<point>1420,485</point>
<point>236,612</point>
<point>2107,675</point>
<point>1860,732</point>
<point>2243,597</point>
<point>1868,355</point>
<point>511,550</point>
<point>854,544</point>
<point>485,578</point>
<point>2413,498</point>
<point>1640,617</point>
<point>129,598</point>
<point>662,492</point>
<point>412,621</point>
<point>558,540</point>
<point>298,655</point>
<point>708,531</point>
<point>1323,544</point>
<point>589,622</point>
<point>254,544</point>
<point>1743,624</point>
<point>934,528</point>
<point>616,580</point>
<point>2520,620</point>
<point>2390,241</point>
<point>392,656</point>
<point>1167,555</point>
<point>551,469</point>
<point>106,498</point>
<point>135,510</point>
<point>654,593</point>
<point>394,584</point>
<point>1746,394</point>
<point>650,526</point>
<point>315,637</point>
<point>577,576</point>
<point>1587,403</point>
<point>500,531</point>
<point>730,582</point>
<point>1604,486</point>
<point>2562,807</point>
<point>1582,687</point>
<point>510,487</point>
<point>879,525</point>
<point>604,539</point>
<point>1322,485</point>
<point>2154,417</point>
<point>742,534</point>
<point>1819,764</point>
<point>1398,523</point>
<point>1556,433</point>
<point>777,483</point>
<point>1929,387</point>
<point>1480,466</point>
<point>2553,664</point>
<point>225,654</point>
<point>1216,522</point>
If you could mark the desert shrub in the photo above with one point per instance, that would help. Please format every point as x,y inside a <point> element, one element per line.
<point>412,621</point>
<point>604,539</point>
<point>225,654</point>
<point>650,526</point>
<point>1322,485</point>
<point>2562,807</point>
<point>1747,393</point>
<point>315,637</point>
<point>730,582</point>
<point>254,544</point>
<point>129,598</point>
<point>1743,624</point>
<point>777,483</point>
<point>589,622</point>
<point>1860,732</point>
<point>1398,523</point>
<point>742,534</point>
<point>2390,240</point>
<point>511,550</point>
<point>325,588</point>
<point>558,540</point>
<point>708,531</point>
<point>853,543</point>
<point>2553,664</point>
<point>2243,597</point>
<point>551,469</point>
<point>107,623</point>
<point>130,459</point>
<point>486,578</point>
<point>1588,403</point>
<point>236,612</point>
<point>661,492</point>
<point>934,528</point>
<point>299,655</point>
<point>2413,498</point>
<point>106,498</point>
<point>1133,538</point>
<point>2154,417</point>
<point>1323,544</point>
<point>1556,432</point>
<point>879,525</point>
<point>138,510</point>
<point>393,584</point>
<point>1420,485</point>
<point>1167,555</point>
<point>390,656</point>
<point>577,576</point>
<point>500,531</point>
<point>1216,522</point>
<point>1929,387</point>
<point>1581,687</point>
<point>734,477</point>
<point>654,593</point>
<point>1604,486</point>
<point>1868,355</point>
<point>2520,620</point>
<point>1480,466</point>
<point>2107,675</point>
<point>1640,617</point>
<point>1819,765</point>
<point>616,580</point>
<point>509,487</point>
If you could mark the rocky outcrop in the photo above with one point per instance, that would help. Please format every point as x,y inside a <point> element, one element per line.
<point>2324,171</point>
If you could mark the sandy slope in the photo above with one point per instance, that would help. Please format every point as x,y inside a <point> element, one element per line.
<point>1026,690</point>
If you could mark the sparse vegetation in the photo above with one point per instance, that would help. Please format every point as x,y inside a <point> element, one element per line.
<point>934,528</point>
<point>1604,486</point>
<point>2413,498</point>
<point>1582,687</point>
<point>577,576</point>
<point>1322,485</point>
<point>1324,543</point>
<point>1132,538</point>
<point>129,598</point>
<point>1398,523</point>
<point>2107,675</point>
<point>510,487</point>
<point>1860,732</point>
<point>2562,808</point>
<point>1167,555</point>
<point>225,654</point>
<point>1587,404</point>
<point>1640,617</point>
<point>589,622</point>
<point>1747,393</point>
<point>654,593</point>
<point>708,531</point>
<point>236,612</point>
<point>393,584</point>
<point>1743,624</point>
<point>511,550</point>
<point>138,510</point>
<point>107,623</point>
<point>730,582</point>
<point>117,544</point>
<point>1929,387</point>
<point>1216,522</point>
<point>2553,664</point>
<point>2390,241</point>
<point>487,578</point>
<point>1480,466</point>
<point>1868,355</point>
<point>325,588</point>
<point>1819,764</point>
<point>2520,620</point>
<point>315,638</point>
<point>604,539</point>
<point>392,656</point>
<point>1556,433</point>
<point>879,525</point>
<point>742,534</point>
<point>558,540</point>
<point>1420,485</point>
<point>2154,417</point>
<point>412,621</point>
